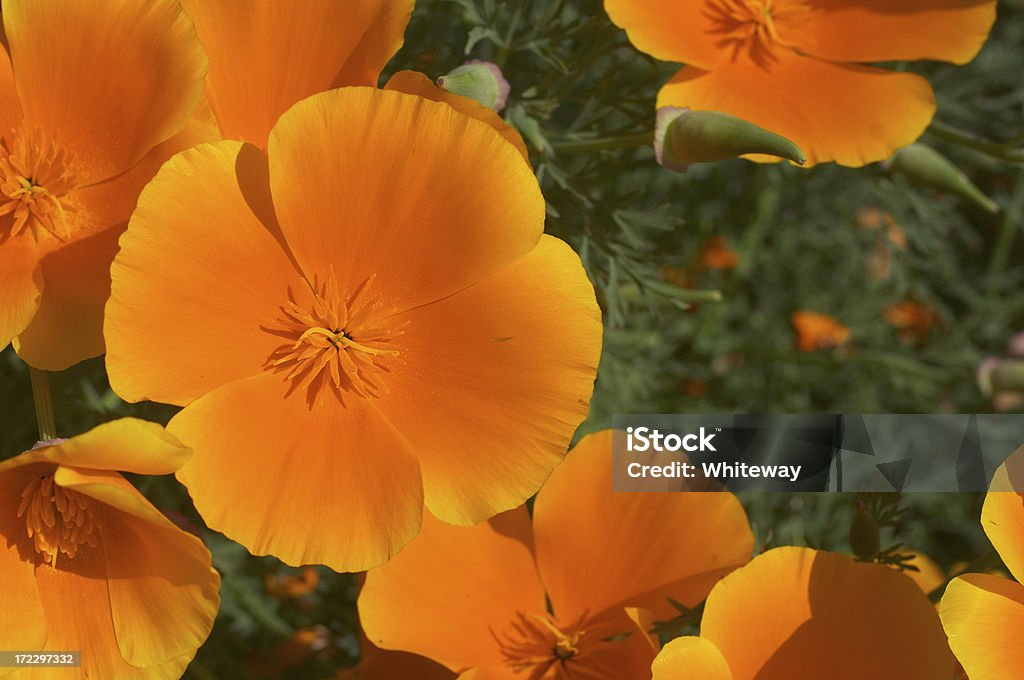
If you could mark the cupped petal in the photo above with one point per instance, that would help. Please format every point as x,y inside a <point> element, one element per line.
<point>882,30</point>
<point>597,548</point>
<point>111,80</point>
<point>849,114</point>
<point>413,82</point>
<point>68,326</point>
<point>20,289</point>
<point>984,618</point>
<point>1003,520</point>
<point>324,483</point>
<point>452,593</point>
<point>18,589</point>
<point>430,201</point>
<point>266,55</point>
<point>796,612</point>
<point>10,108</point>
<point>494,381</point>
<point>690,658</point>
<point>685,31</point>
<point>200,277</point>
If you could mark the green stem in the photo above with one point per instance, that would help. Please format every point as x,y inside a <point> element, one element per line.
<point>982,565</point>
<point>603,143</point>
<point>970,141</point>
<point>1008,229</point>
<point>266,616</point>
<point>44,404</point>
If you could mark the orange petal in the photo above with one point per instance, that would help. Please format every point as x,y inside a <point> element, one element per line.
<point>413,82</point>
<point>126,444</point>
<point>1003,519</point>
<point>383,664</point>
<point>929,575</point>
<point>515,354</point>
<point>346,490</point>
<point>20,288</point>
<point>984,618</point>
<point>794,611</point>
<point>882,30</point>
<point>451,592</point>
<point>597,548</point>
<point>670,31</point>
<point>68,326</point>
<point>10,109</point>
<point>690,658</point>
<point>266,55</point>
<point>110,100</point>
<point>386,183</point>
<point>26,630</point>
<point>204,332</point>
<point>849,114</point>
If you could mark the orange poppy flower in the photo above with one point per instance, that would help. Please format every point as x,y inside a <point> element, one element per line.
<point>88,564</point>
<point>265,55</point>
<point>715,253</point>
<point>476,598</point>
<point>802,613</point>
<point>795,66</point>
<point>385,664</point>
<point>84,124</point>
<point>376,323</point>
<point>914,321</point>
<point>815,331</point>
<point>984,614</point>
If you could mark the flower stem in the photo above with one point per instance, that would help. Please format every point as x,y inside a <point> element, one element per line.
<point>1003,152</point>
<point>43,403</point>
<point>1008,229</point>
<point>603,143</point>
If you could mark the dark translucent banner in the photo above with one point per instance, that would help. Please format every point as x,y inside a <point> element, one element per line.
<point>812,452</point>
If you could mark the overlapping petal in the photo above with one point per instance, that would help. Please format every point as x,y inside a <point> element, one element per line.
<point>266,55</point>
<point>597,549</point>
<point>831,111</point>
<point>670,31</point>
<point>21,289</point>
<point>283,477</point>
<point>690,658</point>
<point>984,618</point>
<point>112,79</point>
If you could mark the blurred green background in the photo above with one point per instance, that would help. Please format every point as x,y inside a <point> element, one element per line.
<point>820,239</point>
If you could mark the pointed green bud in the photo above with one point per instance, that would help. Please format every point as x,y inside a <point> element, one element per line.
<point>864,535</point>
<point>926,167</point>
<point>683,137</point>
<point>479,80</point>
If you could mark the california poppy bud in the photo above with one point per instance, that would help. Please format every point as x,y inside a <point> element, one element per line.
<point>925,166</point>
<point>864,535</point>
<point>479,80</point>
<point>683,137</point>
<point>1008,375</point>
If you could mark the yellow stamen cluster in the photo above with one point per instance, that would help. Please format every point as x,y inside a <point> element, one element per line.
<point>58,520</point>
<point>536,645</point>
<point>34,176</point>
<point>336,339</point>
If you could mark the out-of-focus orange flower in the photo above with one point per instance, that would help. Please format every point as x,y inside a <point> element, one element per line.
<point>795,66</point>
<point>914,321</point>
<point>984,614</point>
<point>86,563</point>
<point>801,613</point>
<point>891,237</point>
<point>288,654</point>
<point>815,331</point>
<point>476,599</point>
<point>84,124</point>
<point>716,254</point>
<point>395,330</point>
<point>266,55</point>
<point>286,585</point>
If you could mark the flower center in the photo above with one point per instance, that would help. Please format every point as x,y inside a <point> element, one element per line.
<point>336,338</point>
<point>536,645</point>
<point>58,520</point>
<point>34,176</point>
<point>751,26</point>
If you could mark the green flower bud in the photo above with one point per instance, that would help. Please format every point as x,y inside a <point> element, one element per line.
<point>683,137</point>
<point>864,534</point>
<point>926,167</point>
<point>479,80</point>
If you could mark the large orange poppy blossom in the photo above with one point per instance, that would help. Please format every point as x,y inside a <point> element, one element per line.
<point>86,563</point>
<point>375,324</point>
<point>802,613</point>
<point>984,614</point>
<point>556,597</point>
<point>94,96</point>
<point>265,55</point>
<point>796,67</point>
